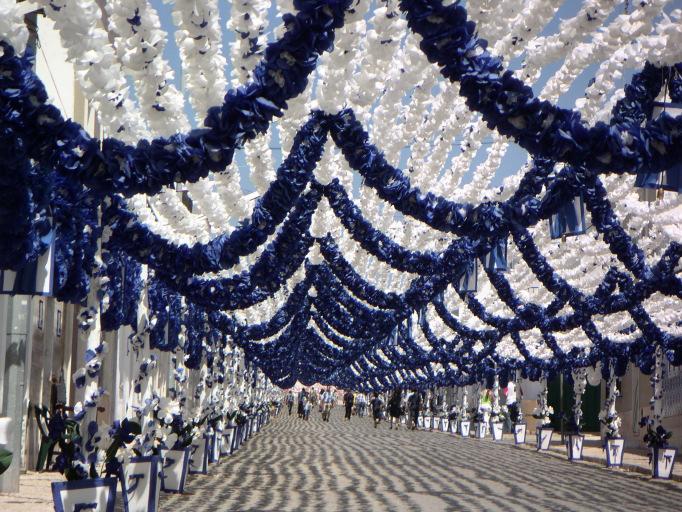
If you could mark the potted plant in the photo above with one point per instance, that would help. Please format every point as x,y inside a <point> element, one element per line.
<point>240,420</point>
<point>138,468</point>
<point>176,454</point>
<point>661,456</point>
<point>444,424</point>
<point>452,418</point>
<point>614,444</point>
<point>229,432</point>
<point>497,418</point>
<point>574,441</point>
<point>89,481</point>
<point>480,425</point>
<point>465,423</point>
<point>544,431</point>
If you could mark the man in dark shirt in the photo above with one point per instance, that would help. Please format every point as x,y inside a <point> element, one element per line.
<point>376,404</point>
<point>413,405</point>
<point>348,402</point>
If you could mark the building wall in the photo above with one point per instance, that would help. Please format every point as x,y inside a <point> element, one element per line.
<point>633,404</point>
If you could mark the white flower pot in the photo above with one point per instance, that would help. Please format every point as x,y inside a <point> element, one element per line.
<point>175,468</point>
<point>420,421</point>
<point>91,494</point>
<point>216,439</point>
<point>543,437</point>
<point>574,446</point>
<point>480,429</point>
<point>614,451</point>
<point>444,424</point>
<point>520,433</point>
<point>453,426</point>
<point>464,428</point>
<point>238,435</point>
<point>198,458</point>
<point>427,422</point>
<point>141,484</point>
<point>228,440</point>
<point>662,462</point>
<point>497,428</point>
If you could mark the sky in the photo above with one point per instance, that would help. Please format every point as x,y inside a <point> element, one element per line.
<point>515,156</point>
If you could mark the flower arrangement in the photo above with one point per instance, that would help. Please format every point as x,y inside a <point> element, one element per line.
<point>100,453</point>
<point>612,423</point>
<point>655,437</point>
<point>543,413</point>
<point>475,414</point>
<point>500,413</point>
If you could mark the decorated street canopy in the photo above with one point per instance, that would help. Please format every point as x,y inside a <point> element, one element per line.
<point>382,248</point>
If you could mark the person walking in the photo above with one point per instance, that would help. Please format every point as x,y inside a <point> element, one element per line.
<point>302,399</point>
<point>413,405</point>
<point>394,408</point>
<point>360,403</point>
<point>290,401</point>
<point>376,404</point>
<point>307,406</point>
<point>348,400</point>
<point>327,403</point>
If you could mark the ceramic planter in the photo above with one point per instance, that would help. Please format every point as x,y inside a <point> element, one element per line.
<point>497,429</point>
<point>574,446</point>
<point>238,436</point>
<point>141,484</point>
<point>228,439</point>
<point>175,468</point>
<point>198,459</point>
<point>543,438</point>
<point>520,433</point>
<point>464,428</point>
<point>96,494</point>
<point>444,424</point>
<point>420,421</point>
<point>216,439</point>
<point>614,448</point>
<point>662,462</point>
<point>427,422</point>
<point>480,430</point>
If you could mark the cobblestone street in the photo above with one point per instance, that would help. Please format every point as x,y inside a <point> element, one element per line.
<point>341,465</point>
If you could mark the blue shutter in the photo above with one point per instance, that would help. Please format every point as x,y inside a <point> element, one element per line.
<point>34,278</point>
<point>569,220</point>
<point>670,179</point>
<point>496,259</point>
<point>469,280</point>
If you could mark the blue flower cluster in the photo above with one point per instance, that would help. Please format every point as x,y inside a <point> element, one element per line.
<point>509,106</point>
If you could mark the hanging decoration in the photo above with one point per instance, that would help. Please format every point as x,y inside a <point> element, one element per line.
<point>294,283</point>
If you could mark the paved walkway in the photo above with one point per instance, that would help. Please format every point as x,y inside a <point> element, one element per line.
<point>350,466</point>
<point>340,465</point>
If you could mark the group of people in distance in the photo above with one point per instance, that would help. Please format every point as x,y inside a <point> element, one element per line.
<point>399,407</point>
<point>392,408</point>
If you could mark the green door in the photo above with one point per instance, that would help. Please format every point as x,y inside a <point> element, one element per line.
<point>562,402</point>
